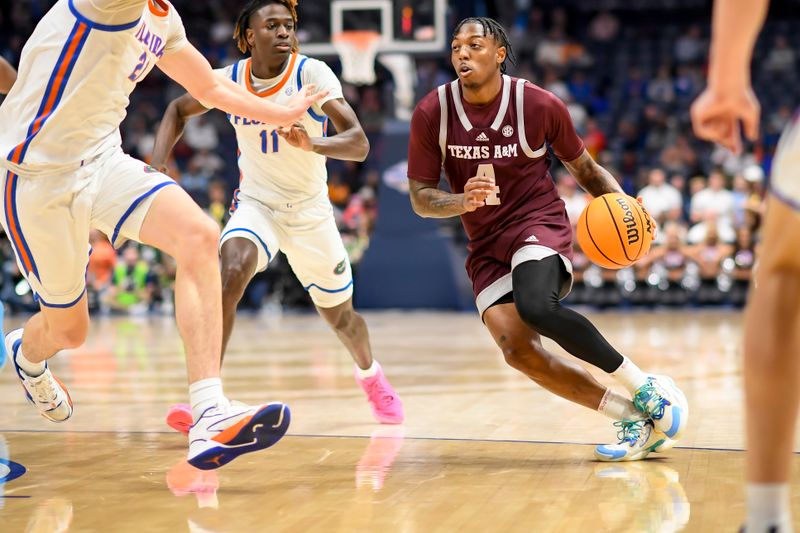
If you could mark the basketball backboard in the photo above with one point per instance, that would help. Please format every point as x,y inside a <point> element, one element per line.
<point>406,26</point>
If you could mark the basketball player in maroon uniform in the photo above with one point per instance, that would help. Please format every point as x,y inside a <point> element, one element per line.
<point>491,133</point>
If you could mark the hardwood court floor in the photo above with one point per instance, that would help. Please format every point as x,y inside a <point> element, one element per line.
<point>483,448</point>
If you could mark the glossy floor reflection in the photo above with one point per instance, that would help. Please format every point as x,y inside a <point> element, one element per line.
<point>483,448</point>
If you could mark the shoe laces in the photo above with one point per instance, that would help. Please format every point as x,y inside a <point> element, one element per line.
<point>44,388</point>
<point>383,395</point>
<point>630,431</point>
<point>649,399</point>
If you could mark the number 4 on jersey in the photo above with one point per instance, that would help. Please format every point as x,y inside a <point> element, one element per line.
<point>486,170</point>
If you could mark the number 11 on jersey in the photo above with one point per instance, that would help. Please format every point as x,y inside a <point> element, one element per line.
<point>486,170</point>
<point>269,141</point>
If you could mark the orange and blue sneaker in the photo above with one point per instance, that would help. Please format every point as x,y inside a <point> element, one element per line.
<point>179,417</point>
<point>662,401</point>
<point>386,405</point>
<point>637,438</point>
<point>226,431</point>
<point>45,391</point>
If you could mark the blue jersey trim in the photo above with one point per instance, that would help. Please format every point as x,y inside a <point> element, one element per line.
<point>790,202</point>
<point>63,306</point>
<point>40,116</point>
<point>133,206</point>
<point>254,234</point>
<point>97,25</point>
<point>235,73</point>
<point>318,118</point>
<point>330,291</point>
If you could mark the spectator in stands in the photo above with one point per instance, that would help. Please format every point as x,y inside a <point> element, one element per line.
<point>710,253</point>
<point>713,200</point>
<point>669,258</point>
<point>200,134</point>
<point>101,267</point>
<point>744,254</point>
<point>662,88</point>
<point>690,47</point>
<point>594,139</point>
<point>659,197</point>
<point>604,27</point>
<point>132,285</point>
<point>195,181</point>
<point>574,197</point>
<point>218,203</point>
<point>781,58</point>
<point>16,294</point>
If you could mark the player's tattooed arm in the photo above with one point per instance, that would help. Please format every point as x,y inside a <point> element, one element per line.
<point>431,202</point>
<point>592,177</point>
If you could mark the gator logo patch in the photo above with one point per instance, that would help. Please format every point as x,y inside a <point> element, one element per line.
<point>150,170</point>
<point>340,268</point>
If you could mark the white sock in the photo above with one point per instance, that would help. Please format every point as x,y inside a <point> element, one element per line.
<point>768,506</point>
<point>629,375</point>
<point>617,407</point>
<point>31,369</point>
<point>370,372</point>
<point>204,394</point>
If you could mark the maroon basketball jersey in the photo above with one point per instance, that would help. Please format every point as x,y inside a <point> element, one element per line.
<point>506,138</point>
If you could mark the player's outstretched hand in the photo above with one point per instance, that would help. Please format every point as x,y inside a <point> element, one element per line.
<point>297,136</point>
<point>716,116</point>
<point>304,99</point>
<point>476,190</point>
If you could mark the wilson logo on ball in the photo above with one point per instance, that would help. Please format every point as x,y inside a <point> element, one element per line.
<point>614,231</point>
<point>629,220</point>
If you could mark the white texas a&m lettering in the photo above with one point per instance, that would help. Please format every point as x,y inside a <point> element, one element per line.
<point>482,152</point>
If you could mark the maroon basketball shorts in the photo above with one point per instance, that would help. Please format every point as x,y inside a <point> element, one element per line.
<point>492,258</point>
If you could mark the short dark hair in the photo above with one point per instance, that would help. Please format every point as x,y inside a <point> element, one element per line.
<point>243,21</point>
<point>494,28</point>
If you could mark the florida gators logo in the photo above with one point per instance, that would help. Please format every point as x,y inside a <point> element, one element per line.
<point>150,170</point>
<point>340,268</point>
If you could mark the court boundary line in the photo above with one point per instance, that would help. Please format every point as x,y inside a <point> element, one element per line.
<point>320,436</point>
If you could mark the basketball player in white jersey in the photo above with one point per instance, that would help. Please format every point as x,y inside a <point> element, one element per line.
<point>65,172</point>
<point>772,319</point>
<point>7,76</point>
<point>282,202</point>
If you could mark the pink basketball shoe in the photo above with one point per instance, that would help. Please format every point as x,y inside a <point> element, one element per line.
<point>386,405</point>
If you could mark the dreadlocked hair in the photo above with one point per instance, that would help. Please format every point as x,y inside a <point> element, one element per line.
<point>493,28</point>
<point>243,22</point>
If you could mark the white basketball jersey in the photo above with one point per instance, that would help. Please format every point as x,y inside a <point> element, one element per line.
<point>75,77</point>
<point>271,170</point>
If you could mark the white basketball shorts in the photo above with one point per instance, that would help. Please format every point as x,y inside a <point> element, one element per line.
<point>307,234</point>
<point>48,218</point>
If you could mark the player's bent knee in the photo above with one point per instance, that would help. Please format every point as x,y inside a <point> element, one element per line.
<point>536,312</point>
<point>70,337</point>
<point>235,276</point>
<point>526,357</point>
<point>344,321</point>
<point>201,238</point>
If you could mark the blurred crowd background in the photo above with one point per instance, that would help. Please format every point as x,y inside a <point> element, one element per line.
<point>628,72</point>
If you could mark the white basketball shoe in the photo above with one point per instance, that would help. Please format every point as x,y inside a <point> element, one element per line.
<point>637,438</point>
<point>45,391</point>
<point>226,431</point>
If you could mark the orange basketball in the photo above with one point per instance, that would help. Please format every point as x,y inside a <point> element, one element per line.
<point>614,231</point>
